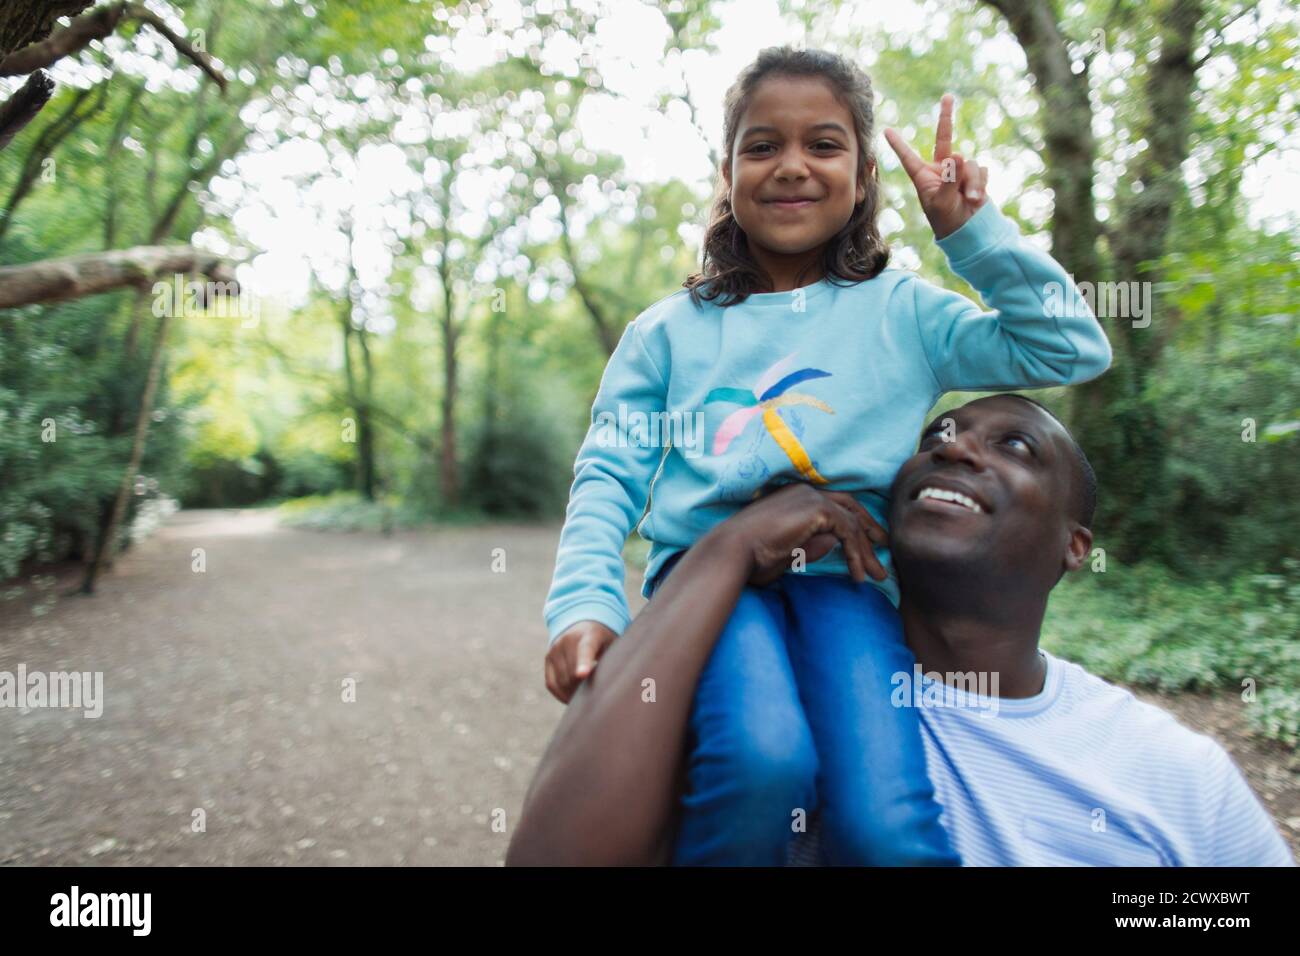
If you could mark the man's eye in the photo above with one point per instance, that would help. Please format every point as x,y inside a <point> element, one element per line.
<point>1018,440</point>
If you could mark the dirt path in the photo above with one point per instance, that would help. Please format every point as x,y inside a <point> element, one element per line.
<point>224,692</point>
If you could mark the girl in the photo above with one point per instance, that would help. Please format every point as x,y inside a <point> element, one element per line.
<point>803,358</point>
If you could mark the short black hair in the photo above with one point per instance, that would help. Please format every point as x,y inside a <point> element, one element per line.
<point>1085,479</point>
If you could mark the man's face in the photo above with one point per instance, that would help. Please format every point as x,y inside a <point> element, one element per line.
<point>1010,468</point>
<point>794,141</point>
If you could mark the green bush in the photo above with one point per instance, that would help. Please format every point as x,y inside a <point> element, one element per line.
<point>345,511</point>
<point>1145,626</point>
<point>61,393</point>
<point>1230,504</point>
<point>521,460</point>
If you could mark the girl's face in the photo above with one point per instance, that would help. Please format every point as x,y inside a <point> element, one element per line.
<point>792,173</point>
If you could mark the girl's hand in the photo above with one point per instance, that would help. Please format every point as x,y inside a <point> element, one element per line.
<point>573,657</point>
<point>951,189</point>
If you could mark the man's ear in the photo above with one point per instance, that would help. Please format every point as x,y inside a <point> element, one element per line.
<point>1077,548</point>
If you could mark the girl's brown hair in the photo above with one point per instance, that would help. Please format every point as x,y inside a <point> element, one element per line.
<point>857,252</point>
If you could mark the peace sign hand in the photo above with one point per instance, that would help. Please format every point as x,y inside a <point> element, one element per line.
<point>951,189</point>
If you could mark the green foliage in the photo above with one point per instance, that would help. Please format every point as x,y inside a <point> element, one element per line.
<point>348,511</point>
<point>1230,502</point>
<point>59,465</point>
<point>522,459</point>
<point>1144,625</point>
<point>344,511</point>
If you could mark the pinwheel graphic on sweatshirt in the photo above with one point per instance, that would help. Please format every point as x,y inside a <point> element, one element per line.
<point>771,392</point>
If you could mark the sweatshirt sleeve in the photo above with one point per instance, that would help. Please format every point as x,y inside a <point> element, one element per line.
<point>612,476</point>
<point>1040,331</point>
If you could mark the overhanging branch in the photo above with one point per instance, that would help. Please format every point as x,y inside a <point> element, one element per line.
<point>73,277</point>
<point>96,25</point>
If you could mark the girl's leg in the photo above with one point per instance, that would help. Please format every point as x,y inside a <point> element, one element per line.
<point>751,762</point>
<point>878,808</point>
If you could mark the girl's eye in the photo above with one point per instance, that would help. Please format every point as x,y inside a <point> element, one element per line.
<point>823,145</point>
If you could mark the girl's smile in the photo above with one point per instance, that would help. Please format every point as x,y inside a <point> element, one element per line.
<point>791,203</point>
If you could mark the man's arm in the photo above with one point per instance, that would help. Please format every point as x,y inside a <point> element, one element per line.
<point>606,788</point>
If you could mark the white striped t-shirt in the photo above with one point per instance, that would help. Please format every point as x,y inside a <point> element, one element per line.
<point>1082,774</point>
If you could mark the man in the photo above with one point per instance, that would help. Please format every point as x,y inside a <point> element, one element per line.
<point>1054,766</point>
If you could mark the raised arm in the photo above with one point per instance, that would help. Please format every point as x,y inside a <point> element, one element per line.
<point>605,790</point>
<point>1038,331</point>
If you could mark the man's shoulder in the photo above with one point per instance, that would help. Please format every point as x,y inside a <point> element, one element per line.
<point>1156,736</point>
<point>1189,775</point>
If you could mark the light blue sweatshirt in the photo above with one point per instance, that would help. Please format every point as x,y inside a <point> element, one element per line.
<point>701,407</point>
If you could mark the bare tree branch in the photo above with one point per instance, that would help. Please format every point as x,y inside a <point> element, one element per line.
<point>21,108</point>
<point>72,277</point>
<point>96,25</point>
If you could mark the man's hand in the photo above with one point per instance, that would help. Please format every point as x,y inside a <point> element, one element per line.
<point>801,516</point>
<point>573,656</point>
<point>951,189</point>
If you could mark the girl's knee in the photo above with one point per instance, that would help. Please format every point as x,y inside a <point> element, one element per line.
<point>780,765</point>
<point>899,835</point>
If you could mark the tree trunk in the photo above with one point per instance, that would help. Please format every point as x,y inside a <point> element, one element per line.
<point>104,547</point>
<point>606,334</point>
<point>365,423</point>
<point>449,476</point>
<point>1121,431</point>
<point>365,461</point>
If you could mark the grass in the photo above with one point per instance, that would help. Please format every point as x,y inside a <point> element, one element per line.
<point>348,511</point>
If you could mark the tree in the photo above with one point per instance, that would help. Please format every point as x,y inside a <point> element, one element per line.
<point>1122,429</point>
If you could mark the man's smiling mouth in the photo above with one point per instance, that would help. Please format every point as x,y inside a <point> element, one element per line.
<point>956,498</point>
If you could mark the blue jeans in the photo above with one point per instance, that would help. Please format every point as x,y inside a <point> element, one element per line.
<point>793,712</point>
